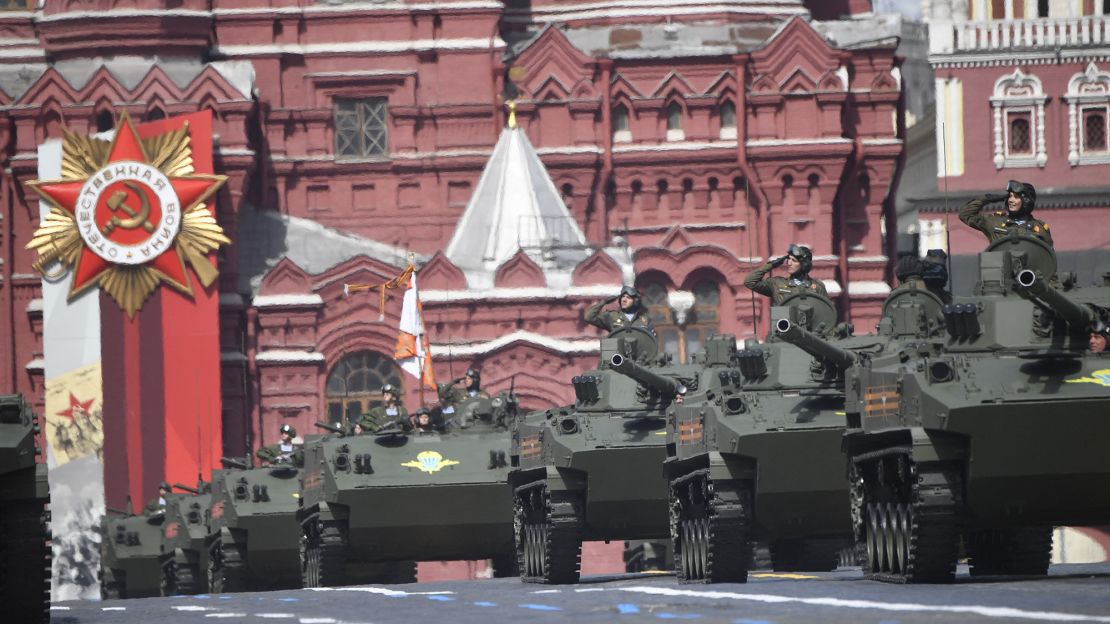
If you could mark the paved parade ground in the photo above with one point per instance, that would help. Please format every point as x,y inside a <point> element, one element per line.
<point>1071,593</point>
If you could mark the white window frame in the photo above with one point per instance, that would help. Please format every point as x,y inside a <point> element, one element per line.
<point>1086,90</point>
<point>1019,92</point>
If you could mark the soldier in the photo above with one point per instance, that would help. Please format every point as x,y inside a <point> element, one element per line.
<point>284,451</point>
<point>1020,200</point>
<point>799,261</point>
<point>472,387</point>
<point>631,313</point>
<point>390,411</point>
<point>423,422</point>
<point>912,272</point>
<point>1097,342</point>
<point>157,505</point>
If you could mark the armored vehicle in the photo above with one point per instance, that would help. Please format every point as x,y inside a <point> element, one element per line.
<point>759,457</point>
<point>993,432</point>
<point>131,555</point>
<point>24,495</point>
<point>376,503</point>
<point>592,470</point>
<point>184,536</point>
<point>253,534</point>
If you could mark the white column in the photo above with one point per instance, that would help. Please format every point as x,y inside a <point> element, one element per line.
<point>999,158</point>
<point>1073,133</point>
<point>1042,156</point>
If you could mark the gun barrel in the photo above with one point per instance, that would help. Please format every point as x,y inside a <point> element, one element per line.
<point>659,383</point>
<point>231,462</point>
<point>330,427</point>
<point>1076,315</point>
<point>191,490</point>
<point>813,345</point>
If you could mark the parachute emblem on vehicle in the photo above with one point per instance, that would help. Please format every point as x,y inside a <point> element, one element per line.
<point>429,461</point>
<point>1100,377</point>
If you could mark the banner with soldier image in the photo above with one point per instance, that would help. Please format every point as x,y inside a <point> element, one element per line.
<point>75,414</point>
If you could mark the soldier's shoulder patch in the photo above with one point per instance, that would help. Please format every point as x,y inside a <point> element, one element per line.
<point>813,286</point>
<point>999,213</point>
<point>1045,225</point>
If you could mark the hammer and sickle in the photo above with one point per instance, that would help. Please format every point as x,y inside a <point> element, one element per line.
<point>117,202</point>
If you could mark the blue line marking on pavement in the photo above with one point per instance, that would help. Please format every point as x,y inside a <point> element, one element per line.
<point>202,596</point>
<point>747,621</point>
<point>289,599</point>
<point>678,616</point>
<point>485,603</point>
<point>540,607</point>
<point>627,608</point>
<point>440,598</point>
<point>225,597</point>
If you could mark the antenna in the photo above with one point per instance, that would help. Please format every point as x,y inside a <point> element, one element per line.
<point>947,231</point>
<point>751,263</point>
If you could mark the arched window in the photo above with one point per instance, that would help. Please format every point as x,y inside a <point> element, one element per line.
<point>703,319</point>
<point>355,383</point>
<point>621,131</point>
<point>1088,99</point>
<point>1019,127</point>
<point>728,120</point>
<point>683,334</point>
<point>155,114</point>
<point>674,122</point>
<point>662,317</point>
<point>105,121</point>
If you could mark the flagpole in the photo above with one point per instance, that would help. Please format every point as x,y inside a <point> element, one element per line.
<point>422,356</point>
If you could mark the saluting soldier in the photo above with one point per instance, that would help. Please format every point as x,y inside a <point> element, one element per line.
<point>284,451</point>
<point>472,386</point>
<point>798,261</point>
<point>157,504</point>
<point>390,411</point>
<point>631,313</point>
<point>1020,198</point>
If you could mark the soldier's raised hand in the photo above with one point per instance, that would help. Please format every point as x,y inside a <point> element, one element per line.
<point>777,262</point>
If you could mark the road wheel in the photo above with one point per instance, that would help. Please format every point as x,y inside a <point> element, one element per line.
<point>25,560</point>
<point>548,534</point>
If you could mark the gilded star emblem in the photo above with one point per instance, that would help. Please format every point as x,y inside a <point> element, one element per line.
<point>128,215</point>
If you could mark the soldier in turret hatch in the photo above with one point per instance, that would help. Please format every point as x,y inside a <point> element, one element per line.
<point>798,261</point>
<point>1020,200</point>
<point>913,272</point>
<point>631,313</point>
<point>390,411</point>
<point>157,504</point>
<point>472,386</point>
<point>284,452</point>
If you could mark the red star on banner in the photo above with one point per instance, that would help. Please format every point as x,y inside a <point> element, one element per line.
<point>74,404</point>
<point>190,191</point>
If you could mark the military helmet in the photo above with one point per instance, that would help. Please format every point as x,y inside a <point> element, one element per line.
<point>475,374</point>
<point>290,429</point>
<point>390,389</point>
<point>164,486</point>
<point>635,294</point>
<point>803,255</point>
<point>1026,192</point>
<point>907,267</point>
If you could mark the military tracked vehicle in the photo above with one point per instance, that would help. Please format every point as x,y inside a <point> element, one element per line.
<point>993,432</point>
<point>759,456</point>
<point>184,535</point>
<point>131,554</point>
<point>24,499</point>
<point>376,503</point>
<point>253,535</point>
<point>592,470</point>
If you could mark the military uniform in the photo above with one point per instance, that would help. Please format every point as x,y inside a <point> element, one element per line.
<point>156,505</point>
<point>612,320</point>
<point>998,224</point>
<point>780,288</point>
<point>281,453</point>
<point>381,416</point>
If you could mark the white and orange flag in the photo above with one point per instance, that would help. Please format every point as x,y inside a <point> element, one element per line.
<point>412,353</point>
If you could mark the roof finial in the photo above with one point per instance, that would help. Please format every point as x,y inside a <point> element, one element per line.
<point>511,104</point>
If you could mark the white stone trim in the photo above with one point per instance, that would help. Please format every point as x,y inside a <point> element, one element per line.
<point>559,345</point>
<point>547,15</point>
<point>1018,92</point>
<point>361,7</point>
<point>37,364</point>
<point>86,15</point>
<point>832,287</point>
<point>867,259</point>
<point>503,294</point>
<point>278,356</point>
<point>567,150</point>
<point>883,141</point>
<point>1087,89</point>
<point>868,287</point>
<point>684,146</point>
<point>277,301</point>
<point>778,142</point>
<point>365,47</point>
<point>34,305</point>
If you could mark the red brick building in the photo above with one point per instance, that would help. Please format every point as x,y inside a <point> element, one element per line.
<point>687,140</point>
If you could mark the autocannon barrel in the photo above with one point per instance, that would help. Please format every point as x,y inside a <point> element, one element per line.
<point>330,427</point>
<point>813,345</point>
<point>231,462</point>
<point>185,488</point>
<point>659,383</point>
<point>1077,315</point>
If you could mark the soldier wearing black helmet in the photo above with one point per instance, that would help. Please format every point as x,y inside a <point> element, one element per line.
<point>157,505</point>
<point>1020,200</point>
<point>798,261</point>
<point>472,386</point>
<point>631,313</point>
<point>284,452</point>
<point>390,411</point>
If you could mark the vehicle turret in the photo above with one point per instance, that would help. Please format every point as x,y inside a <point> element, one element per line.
<point>814,345</point>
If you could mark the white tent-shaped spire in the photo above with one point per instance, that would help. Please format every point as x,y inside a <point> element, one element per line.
<point>515,206</point>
